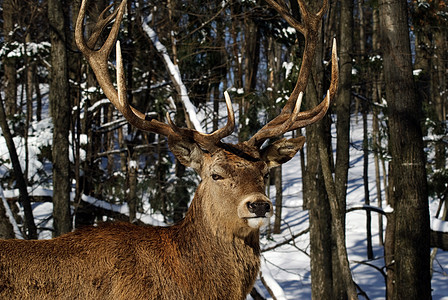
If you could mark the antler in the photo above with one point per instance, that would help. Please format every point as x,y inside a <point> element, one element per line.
<point>289,118</point>
<point>98,61</point>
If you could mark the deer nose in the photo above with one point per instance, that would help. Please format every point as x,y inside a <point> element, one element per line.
<point>259,208</point>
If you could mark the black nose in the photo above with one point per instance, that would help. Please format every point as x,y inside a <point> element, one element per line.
<point>259,208</point>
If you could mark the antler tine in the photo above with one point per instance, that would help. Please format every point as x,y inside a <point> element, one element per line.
<point>99,26</point>
<point>282,125</point>
<point>98,62</point>
<point>309,27</point>
<point>283,11</point>
<point>310,24</point>
<point>208,141</point>
<point>309,117</point>
<point>230,125</point>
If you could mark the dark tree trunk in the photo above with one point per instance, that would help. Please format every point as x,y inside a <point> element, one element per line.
<point>343,101</point>
<point>408,188</point>
<point>278,200</point>
<point>6,229</point>
<point>321,244</point>
<point>324,285</point>
<point>320,222</point>
<point>20,180</point>
<point>60,112</point>
<point>132,195</point>
<point>10,79</point>
<point>342,108</point>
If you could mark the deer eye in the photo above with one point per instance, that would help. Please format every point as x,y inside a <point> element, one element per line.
<point>217,177</point>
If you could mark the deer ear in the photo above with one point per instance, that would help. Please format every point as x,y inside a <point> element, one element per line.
<point>188,153</point>
<point>281,151</point>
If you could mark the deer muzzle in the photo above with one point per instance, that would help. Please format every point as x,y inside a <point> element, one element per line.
<point>259,208</point>
<point>256,209</point>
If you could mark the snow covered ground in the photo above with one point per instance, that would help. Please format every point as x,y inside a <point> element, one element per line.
<point>290,267</point>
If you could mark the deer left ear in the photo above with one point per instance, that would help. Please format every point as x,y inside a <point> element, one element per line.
<point>281,151</point>
<point>188,153</point>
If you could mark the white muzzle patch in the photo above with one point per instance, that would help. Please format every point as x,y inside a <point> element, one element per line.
<point>257,222</point>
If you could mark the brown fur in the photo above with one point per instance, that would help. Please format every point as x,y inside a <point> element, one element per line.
<point>212,254</point>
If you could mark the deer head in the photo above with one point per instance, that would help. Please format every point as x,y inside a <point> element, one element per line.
<point>233,175</point>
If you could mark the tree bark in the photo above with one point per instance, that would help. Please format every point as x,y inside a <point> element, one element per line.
<point>337,223</point>
<point>6,229</point>
<point>365,176</point>
<point>10,80</point>
<point>408,188</point>
<point>20,180</point>
<point>343,101</point>
<point>132,194</point>
<point>278,200</point>
<point>321,251</point>
<point>60,112</point>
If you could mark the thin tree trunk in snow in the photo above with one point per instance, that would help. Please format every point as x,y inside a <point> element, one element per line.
<point>20,180</point>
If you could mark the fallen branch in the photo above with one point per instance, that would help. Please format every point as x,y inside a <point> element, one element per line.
<point>292,238</point>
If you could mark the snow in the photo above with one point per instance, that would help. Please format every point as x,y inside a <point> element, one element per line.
<point>388,209</point>
<point>17,232</point>
<point>275,288</point>
<point>439,225</point>
<point>122,209</point>
<point>416,72</point>
<point>40,135</point>
<point>288,67</point>
<point>16,49</point>
<point>133,164</point>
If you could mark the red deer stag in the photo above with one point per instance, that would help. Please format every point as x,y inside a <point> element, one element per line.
<point>213,253</point>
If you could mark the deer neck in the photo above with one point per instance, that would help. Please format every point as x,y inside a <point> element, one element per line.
<point>209,228</point>
<point>209,251</point>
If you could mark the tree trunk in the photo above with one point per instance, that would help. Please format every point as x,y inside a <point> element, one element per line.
<point>132,195</point>
<point>408,188</point>
<point>60,112</point>
<point>10,79</point>
<point>325,274</point>
<point>6,229</point>
<point>320,221</point>
<point>321,252</point>
<point>278,200</point>
<point>365,176</point>
<point>337,223</point>
<point>439,95</point>
<point>376,137</point>
<point>343,101</point>
<point>20,180</point>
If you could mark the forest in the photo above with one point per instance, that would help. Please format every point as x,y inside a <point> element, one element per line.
<point>68,157</point>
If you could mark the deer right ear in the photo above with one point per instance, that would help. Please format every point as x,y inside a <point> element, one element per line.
<point>188,153</point>
<point>281,151</point>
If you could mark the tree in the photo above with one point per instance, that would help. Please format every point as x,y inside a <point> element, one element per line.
<point>60,112</point>
<point>20,179</point>
<point>6,229</point>
<point>407,236</point>
<point>9,62</point>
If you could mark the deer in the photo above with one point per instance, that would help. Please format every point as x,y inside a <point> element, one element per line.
<point>214,251</point>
